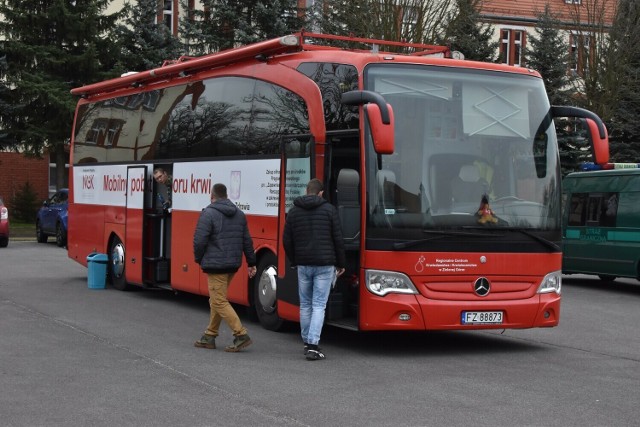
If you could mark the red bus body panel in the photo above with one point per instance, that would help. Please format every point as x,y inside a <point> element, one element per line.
<point>444,295</point>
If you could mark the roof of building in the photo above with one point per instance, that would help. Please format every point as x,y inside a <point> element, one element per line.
<point>527,11</point>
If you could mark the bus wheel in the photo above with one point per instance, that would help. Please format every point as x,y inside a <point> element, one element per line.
<point>606,277</point>
<point>264,287</point>
<point>116,265</point>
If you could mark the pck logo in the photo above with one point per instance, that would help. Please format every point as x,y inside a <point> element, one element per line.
<point>87,182</point>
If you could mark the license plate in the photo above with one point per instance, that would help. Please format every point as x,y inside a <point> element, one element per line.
<point>481,317</point>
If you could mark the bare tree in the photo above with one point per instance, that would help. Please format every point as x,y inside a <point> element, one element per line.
<point>418,21</point>
<point>592,56</point>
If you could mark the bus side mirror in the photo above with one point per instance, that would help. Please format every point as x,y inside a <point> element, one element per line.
<point>596,130</point>
<point>380,117</point>
<point>599,146</point>
<point>382,134</point>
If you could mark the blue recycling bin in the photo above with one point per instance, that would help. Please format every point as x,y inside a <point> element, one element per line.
<point>97,270</point>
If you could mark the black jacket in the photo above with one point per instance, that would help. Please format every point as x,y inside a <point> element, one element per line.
<point>312,233</point>
<point>221,236</point>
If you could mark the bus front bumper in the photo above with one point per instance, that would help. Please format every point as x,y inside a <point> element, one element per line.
<point>415,312</point>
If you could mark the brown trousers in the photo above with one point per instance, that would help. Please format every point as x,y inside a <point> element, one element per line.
<point>220,307</point>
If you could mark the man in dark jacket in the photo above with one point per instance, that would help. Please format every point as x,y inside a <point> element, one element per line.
<point>221,236</point>
<point>313,242</point>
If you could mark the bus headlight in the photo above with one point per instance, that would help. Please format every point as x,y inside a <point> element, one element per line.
<point>385,282</point>
<point>552,282</point>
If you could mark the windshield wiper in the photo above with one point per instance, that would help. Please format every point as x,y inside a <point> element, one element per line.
<point>439,234</point>
<point>548,243</point>
<point>402,245</point>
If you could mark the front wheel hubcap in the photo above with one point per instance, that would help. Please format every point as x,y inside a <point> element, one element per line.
<point>117,260</point>
<point>267,289</point>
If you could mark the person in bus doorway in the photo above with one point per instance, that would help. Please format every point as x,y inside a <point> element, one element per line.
<point>220,239</point>
<point>165,187</point>
<point>313,242</point>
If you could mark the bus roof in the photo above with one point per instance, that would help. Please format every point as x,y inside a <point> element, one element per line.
<point>284,47</point>
<point>603,173</point>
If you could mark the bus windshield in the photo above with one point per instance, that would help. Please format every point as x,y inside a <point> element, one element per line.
<point>461,136</point>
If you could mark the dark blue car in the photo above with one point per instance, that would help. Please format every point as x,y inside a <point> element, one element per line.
<point>52,218</point>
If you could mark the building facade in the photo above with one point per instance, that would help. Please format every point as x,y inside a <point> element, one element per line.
<point>514,22</point>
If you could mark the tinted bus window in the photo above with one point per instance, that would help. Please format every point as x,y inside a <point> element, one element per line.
<point>333,80</point>
<point>229,116</point>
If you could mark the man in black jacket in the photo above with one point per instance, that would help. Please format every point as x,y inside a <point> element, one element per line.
<point>313,242</point>
<point>221,236</point>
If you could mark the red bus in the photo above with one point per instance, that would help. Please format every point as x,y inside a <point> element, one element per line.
<point>407,145</point>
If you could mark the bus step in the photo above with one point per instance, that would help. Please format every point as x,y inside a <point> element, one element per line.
<point>350,323</point>
<point>164,286</point>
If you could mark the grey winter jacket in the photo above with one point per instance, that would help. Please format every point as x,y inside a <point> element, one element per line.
<point>312,233</point>
<point>221,236</point>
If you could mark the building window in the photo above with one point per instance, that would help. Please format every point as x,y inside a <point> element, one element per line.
<point>409,23</point>
<point>580,45</point>
<point>573,1</point>
<point>169,8</point>
<point>512,46</point>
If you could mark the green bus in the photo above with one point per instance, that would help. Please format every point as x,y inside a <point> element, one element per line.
<point>601,223</point>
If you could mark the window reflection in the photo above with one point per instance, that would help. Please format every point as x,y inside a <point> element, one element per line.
<point>228,116</point>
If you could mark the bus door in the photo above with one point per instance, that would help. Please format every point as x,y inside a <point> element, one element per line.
<point>342,189</point>
<point>134,223</point>
<point>296,169</point>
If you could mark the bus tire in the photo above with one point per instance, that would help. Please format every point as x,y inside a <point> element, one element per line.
<point>264,288</point>
<point>606,277</point>
<point>115,270</point>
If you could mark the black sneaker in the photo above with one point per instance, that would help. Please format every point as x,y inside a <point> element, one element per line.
<point>314,352</point>
<point>307,346</point>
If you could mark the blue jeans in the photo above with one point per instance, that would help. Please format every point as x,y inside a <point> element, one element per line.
<point>314,285</point>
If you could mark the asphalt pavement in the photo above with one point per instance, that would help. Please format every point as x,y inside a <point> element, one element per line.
<point>74,356</point>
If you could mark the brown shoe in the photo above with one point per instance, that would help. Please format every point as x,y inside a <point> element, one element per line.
<point>206,341</point>
<point>239,342</point>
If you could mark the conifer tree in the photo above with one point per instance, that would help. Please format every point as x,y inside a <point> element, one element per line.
<point>50,46</point>
<point>144,43</point>
<point>224,24</point>
<point>624,126</point>
<point>465,33</point>
<point>548,52</point>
